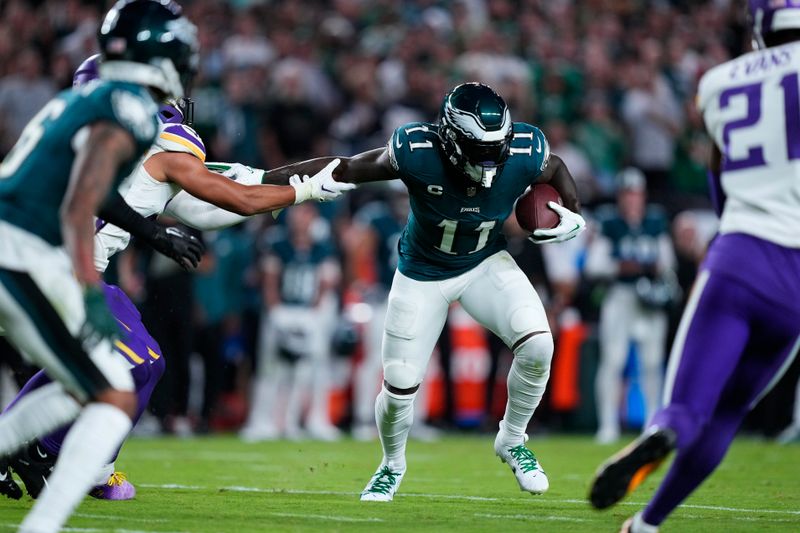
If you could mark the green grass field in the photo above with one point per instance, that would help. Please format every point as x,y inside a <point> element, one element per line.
<point>219,484</point>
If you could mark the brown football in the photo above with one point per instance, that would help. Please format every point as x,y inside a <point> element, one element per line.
<point>532,210</point>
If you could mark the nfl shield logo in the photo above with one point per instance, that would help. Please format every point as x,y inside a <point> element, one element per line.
<point>471,191</point>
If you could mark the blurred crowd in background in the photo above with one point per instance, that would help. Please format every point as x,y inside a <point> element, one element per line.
<point>274,335</point>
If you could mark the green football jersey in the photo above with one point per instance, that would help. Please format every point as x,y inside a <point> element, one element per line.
<point>455,223</point>
<point>638,244</point>
<point>35,174</point>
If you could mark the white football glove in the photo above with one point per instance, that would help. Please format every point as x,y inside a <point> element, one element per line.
<point>321,186</point>
<point>571,225</point>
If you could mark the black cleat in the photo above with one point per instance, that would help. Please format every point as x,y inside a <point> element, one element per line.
<point>33,465</point>
<point>8,487</point>
<point>623,472</point>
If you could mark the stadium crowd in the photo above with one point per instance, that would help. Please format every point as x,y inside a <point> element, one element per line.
<point>610,82</point>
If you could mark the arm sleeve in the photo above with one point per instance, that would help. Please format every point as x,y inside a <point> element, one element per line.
<point>200,214</point>
<point>115,210</point>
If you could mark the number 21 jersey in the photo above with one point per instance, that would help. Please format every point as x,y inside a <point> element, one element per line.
<point>751,108</point>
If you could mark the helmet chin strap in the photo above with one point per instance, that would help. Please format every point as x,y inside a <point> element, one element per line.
<point>480,174</point>
<point>489,173</point>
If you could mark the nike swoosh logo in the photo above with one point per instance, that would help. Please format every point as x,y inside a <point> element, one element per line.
<point>4,475</point>
<point>538,145</point>
<point>397,143</point>
<point>42,455</point>
<point>327,190</point>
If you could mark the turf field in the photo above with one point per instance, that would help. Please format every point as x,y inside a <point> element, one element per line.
<point>219,484</point>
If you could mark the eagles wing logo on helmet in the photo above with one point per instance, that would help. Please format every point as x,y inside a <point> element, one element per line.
<point>475,131</point>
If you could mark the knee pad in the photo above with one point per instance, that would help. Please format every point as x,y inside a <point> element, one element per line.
<point>536,352</point>
<point>401,375</point>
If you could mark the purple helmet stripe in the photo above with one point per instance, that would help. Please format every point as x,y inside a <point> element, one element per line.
<point>87,71</point>
<point>180,131</point>
<point>170,114</point>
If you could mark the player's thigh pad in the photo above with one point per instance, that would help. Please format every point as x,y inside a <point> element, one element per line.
<point>501,298</point>
<point>415,315</point>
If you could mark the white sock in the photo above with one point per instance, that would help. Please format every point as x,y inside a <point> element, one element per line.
<point>640,526</point>
<point>89,445</point>
<point>526,383</point>
<point>103,475</point>
<point>394,415</point>
<point>36,414</point>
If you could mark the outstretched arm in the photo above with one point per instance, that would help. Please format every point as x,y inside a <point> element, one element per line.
<point>372,165</point>
<point>193,177</point>
<point>207,216</point>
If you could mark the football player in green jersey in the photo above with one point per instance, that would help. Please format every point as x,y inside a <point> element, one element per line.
<point>59,174</point>
<point>463,175</point>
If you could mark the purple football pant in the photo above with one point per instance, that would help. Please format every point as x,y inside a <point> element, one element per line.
<point>136,346</point>
<point>739,333</point>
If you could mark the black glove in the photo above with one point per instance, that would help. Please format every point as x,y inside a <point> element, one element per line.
<point>184,249</point>
<point>172,242</point>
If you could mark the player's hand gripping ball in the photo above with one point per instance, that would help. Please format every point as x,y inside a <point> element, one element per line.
<point>532,210</point>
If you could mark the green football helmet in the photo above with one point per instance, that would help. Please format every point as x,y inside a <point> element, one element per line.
<point>150,43</point>
<point>475,131</point>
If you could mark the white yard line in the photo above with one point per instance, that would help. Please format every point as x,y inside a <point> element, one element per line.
<point>459,497</point>
<point>124,518</point>
<point>532,517</point>
<point>98,530</point>
<point>326,517</point>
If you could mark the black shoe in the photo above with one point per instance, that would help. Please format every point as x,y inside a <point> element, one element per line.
<point>626,470</point>
<point>8,487</point>
<point>33,465</point>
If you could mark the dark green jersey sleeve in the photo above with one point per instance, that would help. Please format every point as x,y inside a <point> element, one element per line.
<point>414,155</point>
<point>130,107</point>
<point>530,152</point>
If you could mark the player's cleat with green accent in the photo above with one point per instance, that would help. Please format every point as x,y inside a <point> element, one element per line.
<point>8,487</point>
<point>523,463</point>
<point>623,472</point>
<point>116,488</point>
<point>383,485</point>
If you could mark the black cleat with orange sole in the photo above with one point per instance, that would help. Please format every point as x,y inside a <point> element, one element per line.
<point>622,473</point>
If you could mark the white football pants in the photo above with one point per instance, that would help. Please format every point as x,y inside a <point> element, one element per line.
<point>496,293</point>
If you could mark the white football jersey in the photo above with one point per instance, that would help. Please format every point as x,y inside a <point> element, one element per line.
<point>145,194</point>
<point>751,108</point>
